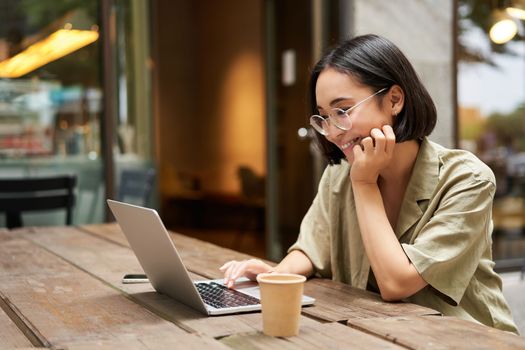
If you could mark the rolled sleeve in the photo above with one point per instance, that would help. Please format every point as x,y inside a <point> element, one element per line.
<point>447,250</point>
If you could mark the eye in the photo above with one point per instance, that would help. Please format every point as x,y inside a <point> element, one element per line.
<point>341,112</point>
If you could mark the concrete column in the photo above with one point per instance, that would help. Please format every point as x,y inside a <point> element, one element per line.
<point>423,30</point>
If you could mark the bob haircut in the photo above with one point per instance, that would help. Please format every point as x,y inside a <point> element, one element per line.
<point>376,62</point>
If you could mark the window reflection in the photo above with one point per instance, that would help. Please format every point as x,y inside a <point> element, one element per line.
<point>50,97</point>
<point>51,104</point>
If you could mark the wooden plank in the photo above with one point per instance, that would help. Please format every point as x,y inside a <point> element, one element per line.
<point>320,336</point>
<point>257,340</point>
<point>108,262</point>
<point>339,302</point>
<point>438,332</point>
<point>182,341</point>
<point>200,257</point>
<point>10,335</point>
<point>67,305</point>
<point>23,324</point>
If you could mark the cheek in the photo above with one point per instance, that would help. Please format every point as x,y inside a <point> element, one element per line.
<point>375,119</point>
<point>331,139</point>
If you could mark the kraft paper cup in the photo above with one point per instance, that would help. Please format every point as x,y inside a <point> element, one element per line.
<point>281,295</point>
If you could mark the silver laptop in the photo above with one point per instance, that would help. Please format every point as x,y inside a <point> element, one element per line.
<point>163,266</point>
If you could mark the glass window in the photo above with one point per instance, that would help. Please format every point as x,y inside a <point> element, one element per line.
<point>50,97</point>
<point>133,149</point>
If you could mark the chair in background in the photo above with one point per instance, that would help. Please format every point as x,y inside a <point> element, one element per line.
<point>36,194</point>
<point>136,185</point>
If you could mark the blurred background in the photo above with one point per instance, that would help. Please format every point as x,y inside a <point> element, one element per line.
<point>209,97</point>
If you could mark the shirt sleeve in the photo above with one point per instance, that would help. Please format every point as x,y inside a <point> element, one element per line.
<point>314,235</point>
<point>448,249</point>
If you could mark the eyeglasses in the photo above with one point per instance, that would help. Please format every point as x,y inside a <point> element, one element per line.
<point>339,117</point>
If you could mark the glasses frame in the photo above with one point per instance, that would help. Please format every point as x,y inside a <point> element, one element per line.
<point>330,118</point>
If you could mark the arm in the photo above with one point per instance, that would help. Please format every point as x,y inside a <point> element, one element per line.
<point>295,262</point>
<point>397,278</point>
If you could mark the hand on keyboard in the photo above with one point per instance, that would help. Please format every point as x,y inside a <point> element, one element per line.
<point>249,268</point>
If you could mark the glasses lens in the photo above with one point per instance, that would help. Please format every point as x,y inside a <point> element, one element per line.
<point>341,119</point>
<point>319,124</point>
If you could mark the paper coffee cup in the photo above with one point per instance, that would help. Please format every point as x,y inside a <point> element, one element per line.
<point>281,295</point>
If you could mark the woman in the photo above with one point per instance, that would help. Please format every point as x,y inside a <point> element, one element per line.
<point>395,213</point>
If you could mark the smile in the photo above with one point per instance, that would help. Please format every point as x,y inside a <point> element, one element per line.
<point>351,143</point>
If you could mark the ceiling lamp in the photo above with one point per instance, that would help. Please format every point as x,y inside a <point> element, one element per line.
<point>503,29</point>
<point>57,45</point>
<point>516,12</point>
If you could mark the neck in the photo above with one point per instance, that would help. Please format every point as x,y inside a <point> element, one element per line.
<point>403,160</point>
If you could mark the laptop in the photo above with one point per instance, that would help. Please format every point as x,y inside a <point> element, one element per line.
<point>164,268</point>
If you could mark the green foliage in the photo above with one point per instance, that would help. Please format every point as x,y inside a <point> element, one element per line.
<point>478,14</point>
<point>509,128</point>
<point>472,131</point>
<point>40,13</point>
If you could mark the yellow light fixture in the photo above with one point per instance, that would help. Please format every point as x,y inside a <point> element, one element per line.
<point>57,45</point>
<point>516,11</point>
<point>503,29</point>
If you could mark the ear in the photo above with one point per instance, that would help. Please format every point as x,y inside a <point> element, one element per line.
<point>397,99</point>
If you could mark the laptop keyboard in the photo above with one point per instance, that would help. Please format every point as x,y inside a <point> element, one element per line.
<point>220,296</point>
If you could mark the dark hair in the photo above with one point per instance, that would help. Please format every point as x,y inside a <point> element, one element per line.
<point>376,62</point>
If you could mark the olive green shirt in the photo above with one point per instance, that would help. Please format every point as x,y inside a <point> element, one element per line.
<point>444,227</point>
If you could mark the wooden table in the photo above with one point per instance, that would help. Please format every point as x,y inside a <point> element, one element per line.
<point>61,288</point>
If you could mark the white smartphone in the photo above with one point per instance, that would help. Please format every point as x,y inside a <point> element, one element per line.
<point>135,278</point>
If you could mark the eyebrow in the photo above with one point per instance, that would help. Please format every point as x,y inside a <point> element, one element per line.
<point>336,101</point>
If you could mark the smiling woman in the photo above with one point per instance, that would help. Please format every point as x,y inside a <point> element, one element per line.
<point>395,213</point>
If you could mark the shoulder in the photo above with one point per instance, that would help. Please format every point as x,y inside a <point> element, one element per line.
<point>457,164</point>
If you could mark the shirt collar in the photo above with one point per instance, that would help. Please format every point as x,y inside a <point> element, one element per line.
<point>421,186</point>
<point>425,174</point>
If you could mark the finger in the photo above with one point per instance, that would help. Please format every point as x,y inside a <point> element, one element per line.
<point>226,269</point>
<point>368,144</point>
<point>358,152</point>
<point>225,266</point>
<point>236,272</point>
<point>379,139</point>
<point>239,270</point>
<point>228,273</point>
<point>390,139</point>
